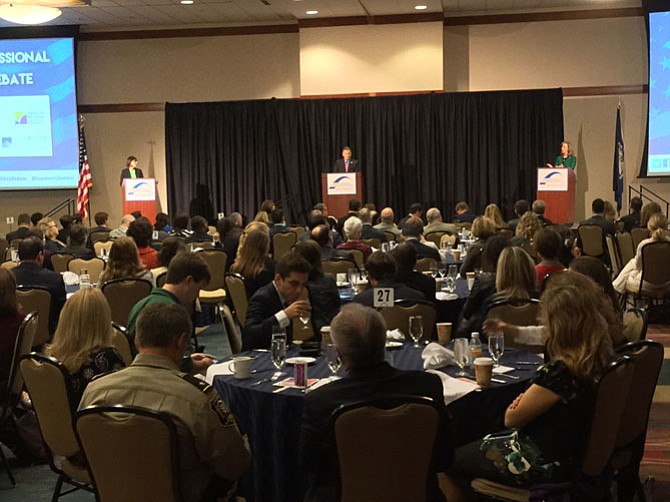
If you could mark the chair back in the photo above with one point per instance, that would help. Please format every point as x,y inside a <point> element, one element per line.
<point>95,266</point>
<point>613,254</point>
<point>3,247</point>
<point>635,323</point>
<point>372,242</point>
<point>626,248</point>
<point>655,263</point>
<point>390,236</point>
<point>593,242</point>
<point>298,230</point>
<point>98,236</point>
<point>397,317</point>
<point>447,239</point>
<point>9,264</point>
<point>22,345</point>
<point>122,295</point>
<point>638,234</point>
<point>237,291</point>
<point>435,237</point>
<point>369,463</point>
<point>46,381</point>
<point>359,257</point>
<point>100,245</point>
<point>33,298</point>
<point>282,244</point>
<point>60,261</point>
<point>338,266</point>
<point>121,342</point>
<point>198,245</point>
<point>131,453</point>
<point>424,264</point>
<point>519,313</point>
<point>161,279</point>
<point>217,261</point>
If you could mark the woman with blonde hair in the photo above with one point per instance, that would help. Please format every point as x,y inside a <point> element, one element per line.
<point>492,212</point>
<point>124,261</point>
<point>83,340</point>
<point>253,262</point>
<point>516,278</point>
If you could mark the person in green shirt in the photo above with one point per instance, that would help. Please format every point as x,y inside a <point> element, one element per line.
<point>566,157</point>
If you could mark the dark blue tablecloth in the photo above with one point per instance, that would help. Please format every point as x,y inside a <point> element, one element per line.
<point>272,421</point>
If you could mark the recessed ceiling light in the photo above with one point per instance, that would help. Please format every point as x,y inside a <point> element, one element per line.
<point>186,2</point>
<point>312,12</point>
<point>420,7</point>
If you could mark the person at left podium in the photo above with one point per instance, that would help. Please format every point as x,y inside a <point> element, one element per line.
<point>131,170</point>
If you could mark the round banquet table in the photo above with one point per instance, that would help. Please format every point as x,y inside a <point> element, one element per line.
<point>272,421</point>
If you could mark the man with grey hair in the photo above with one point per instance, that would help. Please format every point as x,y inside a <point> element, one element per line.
<point>359,336</point>
<point>539,206</point>
<point>352,231</point>
<point>212,452</point>
<point>435,223</point>
<point>123,228</point>
<point>387,224</point>
<point>368,231</point>
<point>413,232</point>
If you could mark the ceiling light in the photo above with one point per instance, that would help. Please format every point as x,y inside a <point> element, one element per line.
<point>186,2</point>
<point>28,14</point>
<point>420,7</point>
<point>312,12</point>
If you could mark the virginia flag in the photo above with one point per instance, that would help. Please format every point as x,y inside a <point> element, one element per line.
<point>617,175</point>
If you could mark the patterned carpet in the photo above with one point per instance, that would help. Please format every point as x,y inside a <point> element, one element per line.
<point>656,460</point>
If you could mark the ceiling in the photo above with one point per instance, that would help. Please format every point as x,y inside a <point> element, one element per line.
<point>132,14</point>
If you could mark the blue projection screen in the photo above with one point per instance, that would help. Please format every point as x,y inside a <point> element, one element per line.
<point>39,143</point>
<point>658,163</point>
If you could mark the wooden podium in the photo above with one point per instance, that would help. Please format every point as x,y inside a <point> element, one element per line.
<point>337,189</point>
<point>556,187</point>
<point>139,194</point>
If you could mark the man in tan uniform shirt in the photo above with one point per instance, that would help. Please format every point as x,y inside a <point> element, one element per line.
<point>212,452</point>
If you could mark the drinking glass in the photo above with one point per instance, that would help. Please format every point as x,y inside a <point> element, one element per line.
<point>352,275</point>
<point>442,269</point>
<point>333,359</point>
<point>497,347</point>
<point>278,351</point>
<point>462,354</point>
<point>304,319</point>
<point>433,269</point>
<point>416,329</point>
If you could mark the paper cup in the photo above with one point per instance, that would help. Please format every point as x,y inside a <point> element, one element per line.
<point>457,254</point>
<point>443,332</point>
<point>483,371</point>
<point>241,367</point>
<point>325,335</point>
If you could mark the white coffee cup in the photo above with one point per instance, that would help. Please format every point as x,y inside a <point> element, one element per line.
<point>241,367</point>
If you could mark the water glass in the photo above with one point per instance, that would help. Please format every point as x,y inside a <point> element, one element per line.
<point>461,355</point>
<point>497,347</point>
<point>278,349</point>
<point>352,275</point>
<point>416,329</point>
<point>333,359</point>
<point>433,269</point>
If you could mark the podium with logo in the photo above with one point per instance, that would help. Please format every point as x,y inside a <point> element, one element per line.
<point>556,187</point>
<point>139,194</point>
<point>337,189</point>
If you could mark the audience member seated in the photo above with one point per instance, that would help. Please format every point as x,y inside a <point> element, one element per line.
<point>76,244</point>
<point>649,209</point>
<point>324,296</point>
<point>352,231</point>
<point>170,247</point>
<point>548,245</point>
<point>35,219</point>
<point>22,231</point>
<point>382,270</point>
<point>122,229</point>
<point>492,211</point>
<point>354,207</point>
<point>267,206</point>
<point>230,231</point>
<point>30,272</point>
<point>124,262</point>
<point>482,229</point>
<point>277,304</point>
<point>180,226</point>
<point>405,259</point>
<point>100,219</point>
<point>253,262</point>
<point>199,228</point>
<point>83,340</point>
<point>413,234</point>
<point>415,211</point>
<point>141,232</point>
<point>529,224</point>
<point>521,207</point>
<point>212,452</point>
<point>330,221</point>
<point>435,223</point>
<point>66,222</point>
<point>386,224</point>
<point>49,229</point>
<point>463,213</point>
<point>316,218</point>
<point>609,213</point>
<point>550,420</point>
<point>374,216</point>
<point>632,219</point>
<point>598,218</point>
<point>263,217</point>
<point>10,320</point>
<point>539,207</point>
<point>324,238</point>
<point>368,231</point>
<point>277,224</point>
<point>359,335</point>
<point>162,226</point>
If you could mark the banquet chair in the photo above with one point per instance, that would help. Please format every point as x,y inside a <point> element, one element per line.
<point>35,298</point>
<point>390,236</point>
<point>122,295</point>
<point>613,255</point>
<point>638,234</point>
<point>647,357</point>
<point>359,257</point>
<point>374,468</point>
<point>282,244</point>
<point>298,231</point>
<point>4,245</point>
<point>435,237</point>
<point>635,324</point>
<point>121,342</point>
<point>447,239</point>
<point>99,246</point>
<point>625,245</point>
<point>338,266</point>
<point>397,317</point>
<point>9,264</point>
<point>373,243</point>
<point>424,264</point>
<point>60,261</point>
<point>161,279</point>
<point>11,394</point>
<point>196,246</point>
<point>655,272</point>
<point>98,236</point>
<point>95,266</point>
<point>593,240</point>
<point>46,381</point>
<point>131,453</point>
<point>518,313</point>
<point>237,290</point>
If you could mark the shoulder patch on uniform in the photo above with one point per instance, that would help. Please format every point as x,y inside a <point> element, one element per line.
<point>196,382</point>
<point>221,411</point>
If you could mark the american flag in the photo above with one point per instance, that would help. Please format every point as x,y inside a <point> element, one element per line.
<point>85,181</point>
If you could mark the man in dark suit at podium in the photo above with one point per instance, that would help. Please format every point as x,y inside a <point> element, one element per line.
<point>346,164</point>
<point>131,170</point>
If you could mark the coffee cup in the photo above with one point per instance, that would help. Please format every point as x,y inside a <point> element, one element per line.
<point>457,254</point>
<point>483,371</point>
<point>443,332</point>
<point>325,335</point>
<point>241,367</point>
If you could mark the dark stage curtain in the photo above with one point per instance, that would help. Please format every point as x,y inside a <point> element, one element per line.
<point>434,148</point>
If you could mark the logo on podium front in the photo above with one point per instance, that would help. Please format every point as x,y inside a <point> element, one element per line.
<point>341,184</point>
<point>552,180</point>
<point>140,190</point>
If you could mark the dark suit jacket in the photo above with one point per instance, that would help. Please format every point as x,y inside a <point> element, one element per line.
<point>466,217</point>
<point>257,331</point>
<point>19,233</point>
<point>31,274</point>
<point>125,174</point>
<point>317,443</point>
<point>597,219</point>
<point>369,232</point>
<point>354,166</point>
<point>324,297</point>
<point>417,281</point>
<point>423,251</point>
<point>400,292</point>
<point>630,221</point>
<point>79,252</point>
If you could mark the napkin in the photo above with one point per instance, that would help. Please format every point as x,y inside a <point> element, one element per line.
<point>395,336</point>
<point>218,369</point>
<point>70,278</point>
<point>435,356</point>
<point>446,297</point>
<point>502,369</point>
<point>321,383</point>
<point>453,388</point>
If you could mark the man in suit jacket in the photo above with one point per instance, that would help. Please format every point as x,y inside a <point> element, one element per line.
<point>412,232</point>
<point>131,170</point>
<point>359,336</point>
<point>538,208</point>
<point>386,224</point>
<point>30,272</point>
<point>521,206</point>
<point>632,220</point>
<point>598,218</point>
<point>435,223</point>
<point>368,231</point>
<point>405,258</point>
<point>276,304</point>
<point>346,164</point>
<point>381,269</point>
<point>77,243</point>
<point>24,228</point>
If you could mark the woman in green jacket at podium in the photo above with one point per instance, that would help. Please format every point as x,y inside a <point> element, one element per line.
<point>566,157</point>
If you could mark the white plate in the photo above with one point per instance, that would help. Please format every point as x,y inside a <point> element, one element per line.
<point>300,360</point>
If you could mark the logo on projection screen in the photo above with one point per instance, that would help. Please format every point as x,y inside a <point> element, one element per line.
<point>341,184</point>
